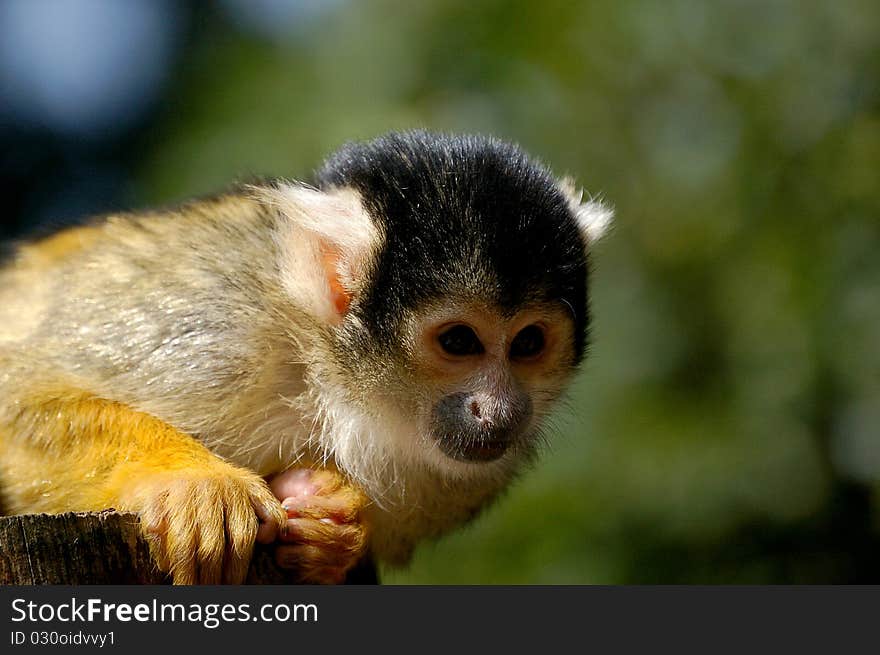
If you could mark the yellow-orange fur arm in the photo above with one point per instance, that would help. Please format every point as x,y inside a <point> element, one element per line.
<point>72,451</point>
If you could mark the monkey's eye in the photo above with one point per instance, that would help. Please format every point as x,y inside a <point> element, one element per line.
<point>460,340</point>
<point>528,343</point>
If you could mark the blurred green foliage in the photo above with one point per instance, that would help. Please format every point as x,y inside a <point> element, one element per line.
<point>726,427</point>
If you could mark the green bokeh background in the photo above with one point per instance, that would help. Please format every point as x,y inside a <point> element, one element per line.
<point>726,427</point>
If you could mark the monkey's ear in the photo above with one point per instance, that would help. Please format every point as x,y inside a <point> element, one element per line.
<point>327,241</point>
<point>593,216</point>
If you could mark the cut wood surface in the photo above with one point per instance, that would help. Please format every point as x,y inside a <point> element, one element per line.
<point>103,548</point>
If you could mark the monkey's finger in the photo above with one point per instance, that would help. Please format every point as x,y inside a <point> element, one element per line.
<point>270,514</point>
<point>181,539</point>
<point>241,531</point>
<point>210,535</point>
<point>347,539</point>
<point>269,527</point>
<point>339,508</point>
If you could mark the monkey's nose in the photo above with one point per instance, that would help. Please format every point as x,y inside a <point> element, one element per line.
<point>487,413</point>
<point>477,427</point>
<point>492,416</point>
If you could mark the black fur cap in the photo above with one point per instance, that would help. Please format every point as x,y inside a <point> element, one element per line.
<point>466,215</point>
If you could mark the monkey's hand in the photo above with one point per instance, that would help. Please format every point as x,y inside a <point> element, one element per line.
<point>202,522</point>
<point>323,537</point>
<point>200,514</point>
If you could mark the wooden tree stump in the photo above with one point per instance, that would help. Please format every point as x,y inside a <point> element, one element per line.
<point>104,548</point>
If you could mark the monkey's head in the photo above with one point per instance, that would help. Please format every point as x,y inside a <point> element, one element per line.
<point>448,276</point>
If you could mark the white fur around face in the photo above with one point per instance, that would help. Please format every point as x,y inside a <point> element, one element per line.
<point>416,492</point>
<point>318,225</point>
<point>593,216</point>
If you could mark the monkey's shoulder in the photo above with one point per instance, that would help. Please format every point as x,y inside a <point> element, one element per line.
<point>227,215</point>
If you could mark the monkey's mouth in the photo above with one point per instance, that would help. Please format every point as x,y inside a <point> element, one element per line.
<point>473,450</point>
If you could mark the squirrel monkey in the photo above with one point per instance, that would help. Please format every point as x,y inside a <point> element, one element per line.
<point>382,347</point>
